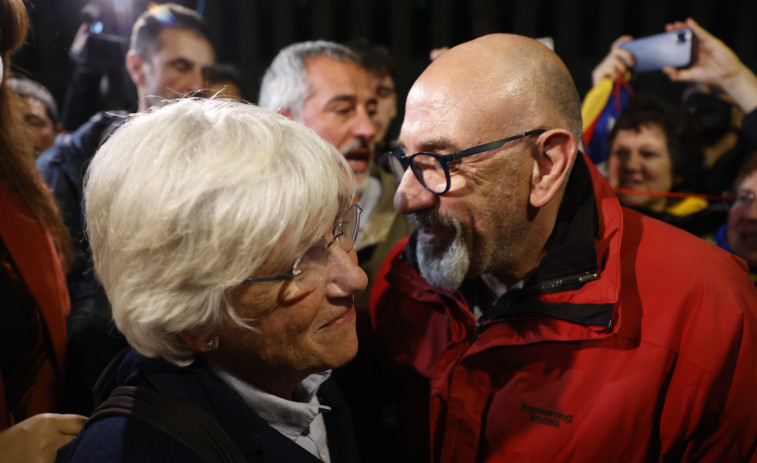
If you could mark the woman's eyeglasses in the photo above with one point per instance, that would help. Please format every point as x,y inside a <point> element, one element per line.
<point>310,267</point>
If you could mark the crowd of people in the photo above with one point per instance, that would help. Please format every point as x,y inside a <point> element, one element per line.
<point>207,276</point>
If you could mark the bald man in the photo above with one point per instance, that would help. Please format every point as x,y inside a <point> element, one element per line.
<point>550,323</point>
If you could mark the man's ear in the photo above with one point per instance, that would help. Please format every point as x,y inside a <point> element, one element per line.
<point>136,67</point>
<point>555,153</point>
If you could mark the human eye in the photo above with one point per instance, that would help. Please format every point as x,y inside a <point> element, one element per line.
<point>383,91</point>
<point>182,65</point>
<point>745,196</point>
<point>371,108</point>
<point>34,121</point>
<point>619,153</point>
<point>454,166</point>
<point>343,109</point>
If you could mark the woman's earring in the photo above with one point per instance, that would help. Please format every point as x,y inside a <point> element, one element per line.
<point>213,343</point>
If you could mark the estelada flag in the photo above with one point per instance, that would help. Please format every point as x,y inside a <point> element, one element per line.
<point>600,109</point>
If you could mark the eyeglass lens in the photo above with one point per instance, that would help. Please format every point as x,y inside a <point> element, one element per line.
<point>310,268</point>
<point>427,169</point>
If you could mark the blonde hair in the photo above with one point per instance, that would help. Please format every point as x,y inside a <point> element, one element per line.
<point>186,201</point>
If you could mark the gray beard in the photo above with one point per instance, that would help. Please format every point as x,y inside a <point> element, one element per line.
<point>444,268</point>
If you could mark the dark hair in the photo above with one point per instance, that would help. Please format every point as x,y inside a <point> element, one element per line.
<point>375,58</point>
<point>17,167</point>
<point>32,89</point>
<point>148,26</point>
<point>682,134</point>
<point>749,166</point>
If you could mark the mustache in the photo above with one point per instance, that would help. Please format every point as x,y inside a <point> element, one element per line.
<point>359,144</point>
<point>431,220</point>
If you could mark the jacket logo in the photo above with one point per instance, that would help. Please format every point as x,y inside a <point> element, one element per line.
<point>548,417</point>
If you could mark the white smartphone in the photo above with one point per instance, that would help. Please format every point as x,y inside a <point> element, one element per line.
<point>652,53</point>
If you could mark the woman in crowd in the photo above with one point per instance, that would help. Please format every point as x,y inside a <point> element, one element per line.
<point>655,149</point>
<point>223,235</point>
<point>33,295</point>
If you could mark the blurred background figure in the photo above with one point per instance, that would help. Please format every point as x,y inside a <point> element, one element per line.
<point>323,85</point>
<point>38,112</point>
<point>379,63</point>
<point>169,56</point>
<point>235,287</point>
<point>718,96</point>
<point>739,234</point>
<point>225,80</point>
<point>656,147</point>
<point>724,98</point>
<point>34,251</point>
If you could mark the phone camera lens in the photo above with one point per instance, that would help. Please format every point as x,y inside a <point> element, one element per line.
<point>681,37</point>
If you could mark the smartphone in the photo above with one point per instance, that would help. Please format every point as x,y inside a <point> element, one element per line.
<point>652,53</point>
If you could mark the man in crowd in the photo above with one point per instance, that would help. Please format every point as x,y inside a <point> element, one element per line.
<point>323,85</point>
<point>38,112</point>
<point>170,53</point>
<point>381,67</point>
<point>551,323</point>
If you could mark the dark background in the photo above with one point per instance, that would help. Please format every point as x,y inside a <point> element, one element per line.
<point>248,33</point>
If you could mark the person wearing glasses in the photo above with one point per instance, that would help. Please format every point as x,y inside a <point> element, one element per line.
<point>551,323</point>
<point>224,235</point>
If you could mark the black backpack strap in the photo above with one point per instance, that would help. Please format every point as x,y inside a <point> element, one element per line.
<point>106,382</point>
<point>183,421</point>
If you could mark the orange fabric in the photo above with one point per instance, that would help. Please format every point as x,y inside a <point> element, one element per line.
<point>38,262</point>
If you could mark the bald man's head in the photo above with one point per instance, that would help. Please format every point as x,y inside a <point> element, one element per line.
<point>499,205</point>
<point>504,72</point>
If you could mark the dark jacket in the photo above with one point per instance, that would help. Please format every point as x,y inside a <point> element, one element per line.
<point>92,340</point>
<point>63,166</point>
<point>120,439</point>
<point>631,341</point>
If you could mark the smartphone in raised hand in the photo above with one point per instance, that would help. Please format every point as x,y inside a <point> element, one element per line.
<point>654,52</point>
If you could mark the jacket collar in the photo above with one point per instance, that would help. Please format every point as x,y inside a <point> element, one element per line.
<point>584,250</point>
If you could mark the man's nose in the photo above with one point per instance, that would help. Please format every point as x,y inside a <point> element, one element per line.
<point>364,127</point>
<point>197,81</point>
<point>411,196</point>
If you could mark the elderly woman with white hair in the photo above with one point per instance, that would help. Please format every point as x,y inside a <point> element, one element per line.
<point>223,235</point>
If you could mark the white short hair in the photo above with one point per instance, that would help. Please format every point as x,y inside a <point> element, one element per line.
<point>185,202</point>
<point>285,83</point>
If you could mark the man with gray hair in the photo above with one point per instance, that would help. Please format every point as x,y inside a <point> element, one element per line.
<point>323,85</point>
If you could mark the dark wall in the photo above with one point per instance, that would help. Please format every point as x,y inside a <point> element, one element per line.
<point>249,32</point>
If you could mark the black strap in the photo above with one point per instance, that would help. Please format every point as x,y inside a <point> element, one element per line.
<point>183,421</point>
<point>106,382</point>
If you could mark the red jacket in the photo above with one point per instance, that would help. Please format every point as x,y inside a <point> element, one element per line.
<point>632,341</point>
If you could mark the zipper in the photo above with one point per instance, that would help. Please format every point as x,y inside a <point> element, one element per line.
<point>544,287</point>
<point>562,283</point>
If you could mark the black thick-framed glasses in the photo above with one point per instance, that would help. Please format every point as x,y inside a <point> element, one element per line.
<point>310,266</point>
<point>432,170</point>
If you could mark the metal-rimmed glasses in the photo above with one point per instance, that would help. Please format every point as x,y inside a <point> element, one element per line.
<point>310,266</point>
<point>432,170</point>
